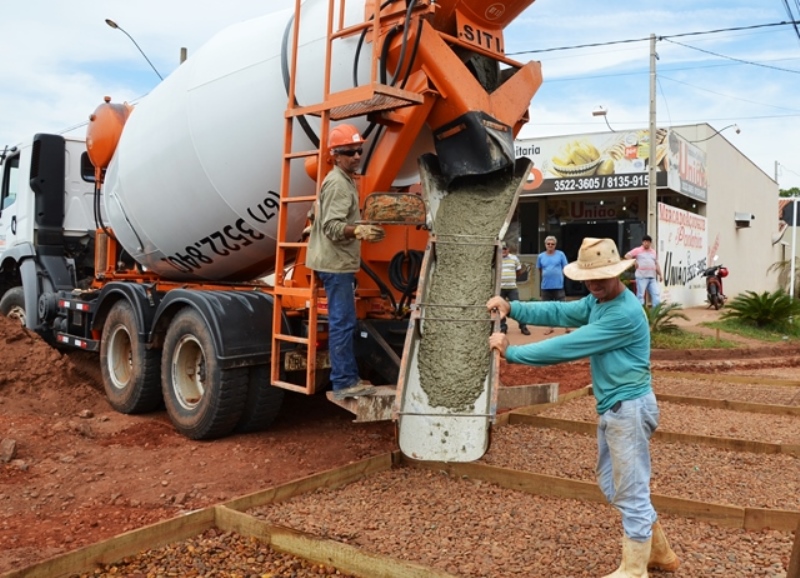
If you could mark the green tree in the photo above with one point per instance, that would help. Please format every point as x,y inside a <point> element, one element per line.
<point>793,192</point>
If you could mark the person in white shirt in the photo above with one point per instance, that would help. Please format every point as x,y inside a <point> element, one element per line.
<point>508,285</point>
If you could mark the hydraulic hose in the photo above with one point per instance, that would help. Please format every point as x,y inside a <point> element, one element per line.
<point>404,271</point>
<point>385,291</point>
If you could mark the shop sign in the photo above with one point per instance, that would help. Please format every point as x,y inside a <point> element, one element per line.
<point>591,162</point>
<point>682,254</point>
<point>686,164</point>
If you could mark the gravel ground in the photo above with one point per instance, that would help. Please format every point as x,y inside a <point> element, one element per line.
<point>682,418</point>
<point>776,395</point>
<point>215,554</point>
<point>679,470</point>
<point>477,529</point>
<point>472,528</point>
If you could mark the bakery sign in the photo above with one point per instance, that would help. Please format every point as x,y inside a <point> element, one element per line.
<point>611,161</point>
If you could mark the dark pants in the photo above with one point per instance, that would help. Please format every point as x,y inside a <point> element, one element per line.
<point>553,295</point>
<point>509,295</point>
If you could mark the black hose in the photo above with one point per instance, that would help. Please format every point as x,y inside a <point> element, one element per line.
<point>413,58</point>
<point>312,136</point>
<point>404,45</point>
<point>404,271</point>
<point>385,291</point>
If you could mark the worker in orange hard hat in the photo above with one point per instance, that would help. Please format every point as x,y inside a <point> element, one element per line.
<point>334,252</point>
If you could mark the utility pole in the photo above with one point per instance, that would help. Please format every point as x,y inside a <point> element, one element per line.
<point>652,189</point>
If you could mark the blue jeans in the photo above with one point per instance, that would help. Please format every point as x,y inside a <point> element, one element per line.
<point>342,323</point>
<point>649,285</point>
<point>623,463</point>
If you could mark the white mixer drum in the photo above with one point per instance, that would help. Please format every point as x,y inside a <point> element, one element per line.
<point>192,190</point>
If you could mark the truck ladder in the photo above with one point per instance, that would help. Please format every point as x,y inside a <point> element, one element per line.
<point>341,105</point>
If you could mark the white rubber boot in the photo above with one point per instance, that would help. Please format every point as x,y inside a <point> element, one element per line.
<point>661,555</point>
<point>634,559</point>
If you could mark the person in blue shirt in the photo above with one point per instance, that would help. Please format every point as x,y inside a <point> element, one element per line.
<point>551,265</point>
<point>613,331</point>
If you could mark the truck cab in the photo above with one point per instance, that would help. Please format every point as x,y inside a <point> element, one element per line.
<point>46,221</point>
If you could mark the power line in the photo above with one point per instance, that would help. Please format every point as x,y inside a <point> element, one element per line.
<point>647,39</point>
<point>789,12</point>
<point>732,58</point>
<point>725,95</point>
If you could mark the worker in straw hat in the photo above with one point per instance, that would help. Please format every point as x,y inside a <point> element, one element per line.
<point>612,330</point>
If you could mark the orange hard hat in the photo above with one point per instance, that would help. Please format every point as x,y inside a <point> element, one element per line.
<point>343,135</point>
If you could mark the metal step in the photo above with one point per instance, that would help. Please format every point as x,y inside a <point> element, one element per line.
<point>366,408</point>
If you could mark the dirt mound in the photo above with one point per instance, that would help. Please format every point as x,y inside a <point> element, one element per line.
<point>30,366</point>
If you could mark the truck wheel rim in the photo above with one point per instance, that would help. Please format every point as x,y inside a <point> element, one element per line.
<point>120,357</point>
<point>188,372</point>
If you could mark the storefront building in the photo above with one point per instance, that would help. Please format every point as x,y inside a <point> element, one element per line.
<point>712,201</point>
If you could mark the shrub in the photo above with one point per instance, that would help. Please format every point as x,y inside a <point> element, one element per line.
<point>763,309</point>
<point>662,317</point>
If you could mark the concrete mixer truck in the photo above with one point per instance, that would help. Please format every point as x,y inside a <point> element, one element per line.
<point>171,242</point>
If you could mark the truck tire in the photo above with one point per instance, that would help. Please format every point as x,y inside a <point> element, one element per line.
<point>203,400</point>
<point>12,305</point>
<point>263,401</point>
<point>131,372</point>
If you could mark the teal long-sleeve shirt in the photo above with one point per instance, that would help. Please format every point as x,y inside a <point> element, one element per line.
<point>615,335</point>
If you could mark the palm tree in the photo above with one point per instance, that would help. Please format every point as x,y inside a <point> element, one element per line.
<point>784,270</point>
<point>662,317</point>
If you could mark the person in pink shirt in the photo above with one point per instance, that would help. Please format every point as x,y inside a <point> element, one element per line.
<point>648,271</point>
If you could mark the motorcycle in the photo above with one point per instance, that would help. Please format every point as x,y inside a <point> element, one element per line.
<point>714,276</point>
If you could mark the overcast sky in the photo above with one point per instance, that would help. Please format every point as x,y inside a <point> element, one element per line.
<point>60,59</point>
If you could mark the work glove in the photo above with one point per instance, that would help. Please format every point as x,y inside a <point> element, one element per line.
<point>371,233</point>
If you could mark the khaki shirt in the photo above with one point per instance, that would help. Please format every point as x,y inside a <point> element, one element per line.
<point>336,207</point>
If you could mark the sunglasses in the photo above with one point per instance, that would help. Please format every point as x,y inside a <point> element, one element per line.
<point>350,152</point>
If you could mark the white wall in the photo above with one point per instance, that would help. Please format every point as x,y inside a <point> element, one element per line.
<point>735,184</point>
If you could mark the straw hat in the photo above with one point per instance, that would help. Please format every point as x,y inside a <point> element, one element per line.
<point>597,259</point>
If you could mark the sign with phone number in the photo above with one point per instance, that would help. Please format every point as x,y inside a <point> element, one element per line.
<point>597,183</point>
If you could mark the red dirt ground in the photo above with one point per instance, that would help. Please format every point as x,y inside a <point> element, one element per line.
<point>82,473</point>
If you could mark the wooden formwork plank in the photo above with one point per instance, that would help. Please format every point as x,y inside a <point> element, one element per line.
<point>500,419</point>
<point>759,518</point>
<point>544,485</point>
<point>771,409</point>
<point>528,482</point>
<point>733,444</point>
<point>127,544</point>
<point>793,571</point>
<point>539,408</point>
<point>720,514</point>
<point>748,379</point>
<point>569,425</point>
<point>327,479</point>
<point>590,428</point>
<point>343,557</point>
<point>513,396</point>
<point>791,449</point>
